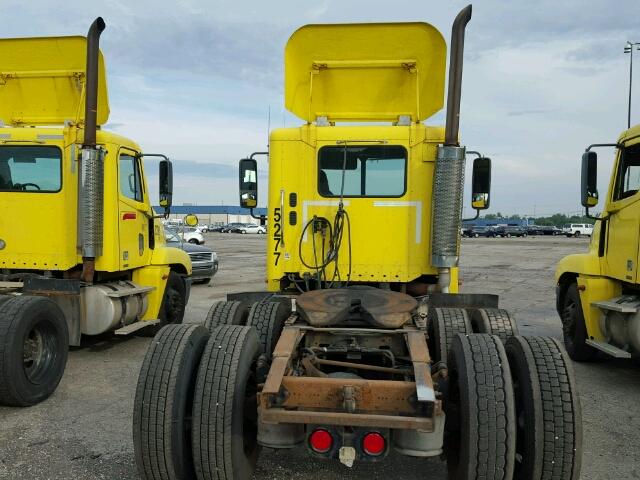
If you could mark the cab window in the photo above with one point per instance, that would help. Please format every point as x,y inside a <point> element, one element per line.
<point>30,169</point>
<point>369,171</point>
<point>628,180</point>
<point>130,178</point>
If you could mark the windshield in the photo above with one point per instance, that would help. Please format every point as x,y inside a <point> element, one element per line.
<point>369,171</point>
<point>27,168</point>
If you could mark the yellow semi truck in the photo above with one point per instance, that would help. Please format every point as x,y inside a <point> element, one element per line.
<point>362,343</point>
<point>597,292</point>
<point>81,250</point>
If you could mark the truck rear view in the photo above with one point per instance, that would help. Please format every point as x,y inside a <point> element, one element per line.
<point>362,344</point>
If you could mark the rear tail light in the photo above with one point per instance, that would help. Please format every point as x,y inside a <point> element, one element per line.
<point>321,441</point>
<point>373,444</point>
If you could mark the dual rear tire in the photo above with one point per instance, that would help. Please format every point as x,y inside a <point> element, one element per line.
<point>195,413</point>
<point>512,410</point>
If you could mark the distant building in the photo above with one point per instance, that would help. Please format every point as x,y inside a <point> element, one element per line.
<point>215,214</point>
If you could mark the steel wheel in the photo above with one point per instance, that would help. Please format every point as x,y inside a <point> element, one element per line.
<point>39,350</point>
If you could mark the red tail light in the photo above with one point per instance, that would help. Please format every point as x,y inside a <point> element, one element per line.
<point>373,444</point>
<point>321,441</point>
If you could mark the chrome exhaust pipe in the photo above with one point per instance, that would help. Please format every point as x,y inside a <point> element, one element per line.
<point>90,208</point>
<point>448,186</point>
<point>454,92</point>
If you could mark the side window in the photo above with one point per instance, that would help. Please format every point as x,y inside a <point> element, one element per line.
<point>130,184</point>
<point>628,180</point>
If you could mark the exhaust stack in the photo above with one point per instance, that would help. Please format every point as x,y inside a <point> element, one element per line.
<point>90,213</point>
<point>449,174</point>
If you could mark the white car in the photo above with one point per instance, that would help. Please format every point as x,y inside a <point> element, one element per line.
<point>577,229</point>
<point>248,228</point>
<point>188,234</point>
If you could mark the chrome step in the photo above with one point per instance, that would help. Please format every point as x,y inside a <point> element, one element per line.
<point>135,326</point>
<point>608,349</point>
<point>622,304</point>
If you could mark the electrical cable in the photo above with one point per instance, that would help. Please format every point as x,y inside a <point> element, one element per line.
<point>336,233</point>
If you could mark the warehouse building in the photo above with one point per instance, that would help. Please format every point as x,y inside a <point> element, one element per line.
<point>215,214</point>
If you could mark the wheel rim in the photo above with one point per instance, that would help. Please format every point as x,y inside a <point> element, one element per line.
<point>39,350</point>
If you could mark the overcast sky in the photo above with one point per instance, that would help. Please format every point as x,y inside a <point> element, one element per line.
<point>195,80</point>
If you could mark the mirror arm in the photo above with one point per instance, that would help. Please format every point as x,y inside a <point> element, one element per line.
<point>586,214</point>
<point>140,155</point>
<point>474,218</point>
<point>257,153</point>
<point>617,145</point>
<point>473,152</point>
<point>257,217</point>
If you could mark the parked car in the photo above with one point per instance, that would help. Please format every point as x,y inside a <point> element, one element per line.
<point>215,228</point>
<point>204,261</point>
<point>510,231</point>
<point>202,228</point>
<point>577,229</point>
<point>250,228</point>
<point>534,229</point>
<point>188,234</point>
<point>231,227</point>
<point>477,232</point>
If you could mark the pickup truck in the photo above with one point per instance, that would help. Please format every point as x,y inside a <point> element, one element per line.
<point>577,229</point>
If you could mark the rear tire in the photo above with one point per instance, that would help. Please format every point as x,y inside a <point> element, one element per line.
<point>480,427</point>
<point>34,346</point>
<point>574,329</point>
<point>224,435</point>
<point>443,325</point>
<point>549,433</point>
<point>494,321</point>
<point>226,313</point>
<point>163,403</point>
<point>268,318</point>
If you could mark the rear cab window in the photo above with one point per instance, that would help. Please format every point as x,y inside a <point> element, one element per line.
<point>369,171</point>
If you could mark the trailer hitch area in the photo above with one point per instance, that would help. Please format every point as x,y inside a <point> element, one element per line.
<point>278,399</point>
<point>349,402</point>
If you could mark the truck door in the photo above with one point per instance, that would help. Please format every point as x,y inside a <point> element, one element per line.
<point>624,221</point>
<point>134,211</point>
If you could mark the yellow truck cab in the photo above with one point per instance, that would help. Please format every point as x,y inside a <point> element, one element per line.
<point>352,197</point>
<point>598,296</point>
<point>81,250</point>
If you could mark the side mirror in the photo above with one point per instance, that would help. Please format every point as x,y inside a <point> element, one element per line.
<point>589,184</point>
<point>166,184</point>
<point>248,183</point>
<point>481,183</point>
